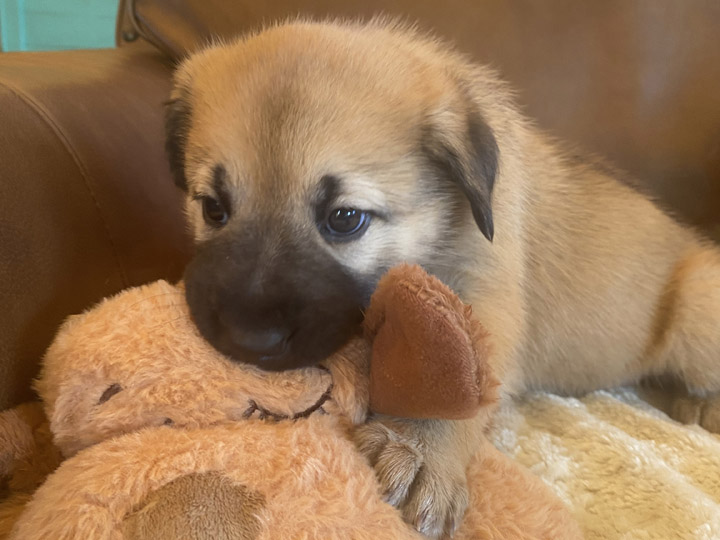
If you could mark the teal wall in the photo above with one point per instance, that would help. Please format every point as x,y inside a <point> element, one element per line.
<point>46,25</point>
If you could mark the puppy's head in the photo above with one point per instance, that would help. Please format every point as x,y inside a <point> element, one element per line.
<point>315,157</point>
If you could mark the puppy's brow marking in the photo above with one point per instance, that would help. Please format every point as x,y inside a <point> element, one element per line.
<point>327,193</point>
<point>219,186</point>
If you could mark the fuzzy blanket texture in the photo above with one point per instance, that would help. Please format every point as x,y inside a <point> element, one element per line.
<point>621,465</point>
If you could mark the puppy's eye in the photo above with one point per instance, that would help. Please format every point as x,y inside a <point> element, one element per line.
<point>214,212</point>
<point>344,223</point>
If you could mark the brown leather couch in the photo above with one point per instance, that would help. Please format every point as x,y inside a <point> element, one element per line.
<point>87,206</point>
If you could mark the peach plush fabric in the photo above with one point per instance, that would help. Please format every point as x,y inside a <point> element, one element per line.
<point>310,480</point>
<point>164,434</point>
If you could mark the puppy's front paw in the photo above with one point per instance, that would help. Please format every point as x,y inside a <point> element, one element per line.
<point>425,483</point>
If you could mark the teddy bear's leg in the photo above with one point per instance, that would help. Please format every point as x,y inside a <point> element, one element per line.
<point>686,341</point>
<point>196,507</point>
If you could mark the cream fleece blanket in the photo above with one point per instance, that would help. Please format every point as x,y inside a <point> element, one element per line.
<point>623,467</point>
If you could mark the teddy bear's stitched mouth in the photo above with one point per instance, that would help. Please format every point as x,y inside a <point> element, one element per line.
<point>265,414</point>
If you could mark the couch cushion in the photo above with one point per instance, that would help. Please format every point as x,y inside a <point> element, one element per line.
<point>635,80</point>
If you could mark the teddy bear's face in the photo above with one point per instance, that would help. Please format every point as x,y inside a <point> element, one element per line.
<point>136,360</point>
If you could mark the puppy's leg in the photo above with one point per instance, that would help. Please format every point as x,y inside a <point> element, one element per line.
<point>421,466</point>
<point>687,341</point>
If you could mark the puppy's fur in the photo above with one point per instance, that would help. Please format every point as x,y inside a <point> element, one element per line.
<point>582,281</point>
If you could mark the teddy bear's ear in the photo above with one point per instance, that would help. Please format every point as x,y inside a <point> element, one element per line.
<point>429,357</point>
<point>71,320</point>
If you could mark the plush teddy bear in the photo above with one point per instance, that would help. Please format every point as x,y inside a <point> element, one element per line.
<point>167,439</point>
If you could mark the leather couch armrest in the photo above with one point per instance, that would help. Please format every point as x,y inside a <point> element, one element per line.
<point>87,205</point>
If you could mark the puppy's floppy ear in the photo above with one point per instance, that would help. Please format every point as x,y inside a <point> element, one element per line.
<point>461,145</point>
<point>177,127</point>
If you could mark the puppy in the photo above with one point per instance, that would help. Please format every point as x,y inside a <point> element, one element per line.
<point>315,156</point>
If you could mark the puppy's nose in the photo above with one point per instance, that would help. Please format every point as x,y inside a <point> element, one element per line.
<point>271,342</point>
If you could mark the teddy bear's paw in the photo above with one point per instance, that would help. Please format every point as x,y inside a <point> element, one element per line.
<point>429,487</point>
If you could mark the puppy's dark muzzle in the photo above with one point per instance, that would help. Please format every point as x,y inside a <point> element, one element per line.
<point>268,348</point>
<point>292,312</point>
<point>266,343</point>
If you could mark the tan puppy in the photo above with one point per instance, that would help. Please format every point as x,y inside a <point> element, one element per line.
<point>317,155</point>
